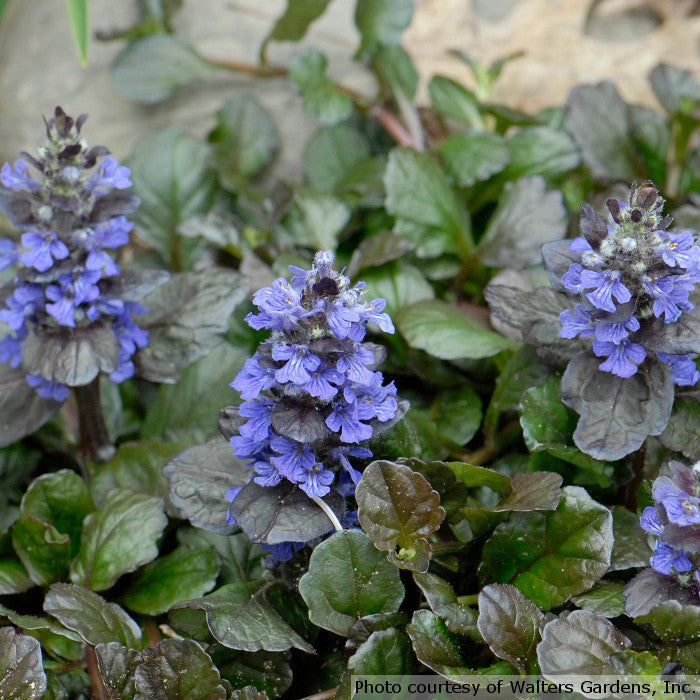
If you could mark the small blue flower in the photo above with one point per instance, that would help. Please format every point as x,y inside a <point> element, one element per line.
<point>230,496</point>
<point>667,560</point>
<point>110,175</point>
<point>681,507</point>
<point>300,363</point>
<point>576,322</point>
<point>683,369</point>
<point>8,253</point>
<point>670,296</point>
<point>292,459</point>
<point>650,522</point>
<point>48,389</point>
<point>623,358</point>
<point>319,384</point>
<point>340,454</point>
<point>316,482</point>
<point>677,249</point>
<point>63,304</point>
<point>605,285</point>
<point>19,177</point>
<point>616,332</point>
<point>345,419</point>
<point>254,378</point>
<point>45,247</point>
<point>353,363</point>
<point>22,305</point>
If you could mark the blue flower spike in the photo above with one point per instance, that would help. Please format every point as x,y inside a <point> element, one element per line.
<point>311,391</point>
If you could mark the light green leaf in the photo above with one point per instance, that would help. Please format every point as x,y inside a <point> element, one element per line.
<point>473,156</point>
<point>78,16</point>
<point>400,283</point>
<point>454,101</point>
<point>316,219</point>
<point>381,23</point>
<point>295,21</point>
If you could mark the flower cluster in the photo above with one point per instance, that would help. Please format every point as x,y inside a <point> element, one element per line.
<point>674,521</point>
<point>311,394</point>
<point>630,272</point>
<point>71,210</point>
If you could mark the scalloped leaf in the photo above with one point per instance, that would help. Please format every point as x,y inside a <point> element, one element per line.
<point>444,603</point>
<point>386,652</point>
<point>398,509</point>
<point>630,549</point>
<point>240,617</point>
<point>510,624</point>
<point>554,555</point>
<point>347,580</point>
<point>118,538</point>
<point>616,414</point>
<point>91,616</point>
<point>649,589</point>
<point>117,666</point>
<point>22,674</point>
<point>604,599</point>
<point>198,480</point>
<point>533,491</point>
<point>435,646</point>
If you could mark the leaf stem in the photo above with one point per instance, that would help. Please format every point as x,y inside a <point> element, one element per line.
<point>490,450</point>
<point>99,692</point>
<point>94,438</point>
<point>327,510</point>
<point>468,600</point>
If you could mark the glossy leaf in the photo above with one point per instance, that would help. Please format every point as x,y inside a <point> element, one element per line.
<point>198,480</point>
<point>330,154</point>
<point>435,646</point>
<point>604,599</point>
<point>43,550</point>
<point>175,178</point>
<point>527,216</point>
<point>444,603</point>
<point>510,624</point>
<point>182,574</point>
<point>240,617</point>
<point>13,577</point>
<point>417,190</point>
<point>321,97</point>
<point>282,513</point>
<point>178,669</point>
<point>151,68</point>
<point>386,652</point>
<point>616,414</point>
<point>22,675</point>
<point>187,318</point>
<point>554,555</point>
<point>682,433</point>
<point>117,666</point>
<point>316,219</point>
<point>473,156</point>
<point>449,332</point>
<point>347,580</point>
<point>473,476</point>
<point>118,538</point>
<point>676,88</point>
<point>545,420</point>
<point>649,589</point>
<point>395,69</point>
<point>266,672</point>
<point>630,549</point>
<point>244,140</point>
<point>381,23</point>
<point>580,643</point>
<point>412,435</point>
<point>398,509</point>
<point>91,616</point>
<point>533,491</point>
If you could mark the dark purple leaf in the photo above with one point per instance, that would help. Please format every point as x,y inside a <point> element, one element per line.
<point>299,421</point>
<point>557,258</point>
<point>133,285</point>
<point>650,588</point>
<point>114,204</point>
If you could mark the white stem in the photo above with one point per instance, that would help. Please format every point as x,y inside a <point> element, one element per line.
<point>327,510</point>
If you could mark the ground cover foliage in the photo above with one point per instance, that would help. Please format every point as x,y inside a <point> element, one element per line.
<point>527,502</point>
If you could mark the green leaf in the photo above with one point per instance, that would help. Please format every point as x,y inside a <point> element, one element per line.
<point>199,478</point>
<point>60,499</point>
<point>13,577</point>
<point>417,190</point>
<point>473,476</point>
<point>244,139</point>
<point>458,414</point>
<point>175,178</point>
<point>527,217</point>
<point>381,23</point>
<point>533,491</point>
<point>376,250</point>
<point>91,616</point>
<point>616,414</point>
<point>136,466</point>
<point>598,119</point>
<point>449,332</point>
<point>240,617</point>
<point>22,675</point>
<point>150,69</point>
<point>347,580</point>
<point>78,16</point>
<point>398,509</point>
<point>454,101</point>
<point>412,435</point>
<point>395,68</point>
<point>630,549</point>
<point>604,599</point>
<point>182,574</point>
<point>453,493</point>
<point>177,669</point>
<point>435,646</point>
<point>295,21</point>
<point>22,410</point>
<point>473,156</point>
<point>679,626</point>
<point>118,538</point>
<point>580,643</point>
<point>188,410</point>
<point>399,283</point>
<point>118,666</point>
<point>269,672</point>
<point>386,652</point>
<point>645,591</point>
<point>542,151</point>
<point>320,94</point>
<point>675,88</point>
<point>188,316</point>
<point>510,624</point>
<point>39,625</point>
<point>443,601</point>
<point>546,421</point>
<point>316,219</point>
<point>44,551</point>
<point>682,433</point>
<point>551,556</point>
<point>331,153</point>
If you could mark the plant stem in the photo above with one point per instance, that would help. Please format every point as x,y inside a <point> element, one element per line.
<point>468,599</point>
<point>628,491</point>
<point>490,450</point>
<point>99,692</point>
<point>327,510</point>
<point>94,439</point>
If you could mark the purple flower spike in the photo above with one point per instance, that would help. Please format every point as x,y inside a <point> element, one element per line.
<point>300,363</point>
<point>45,247</point>
<point>606,285</point>
<point>622,359</point>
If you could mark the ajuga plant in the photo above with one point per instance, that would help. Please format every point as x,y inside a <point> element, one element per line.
<point>312,400</point>
<point>70,315</point>
<point>673,524</point>
<point>625,303</point>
